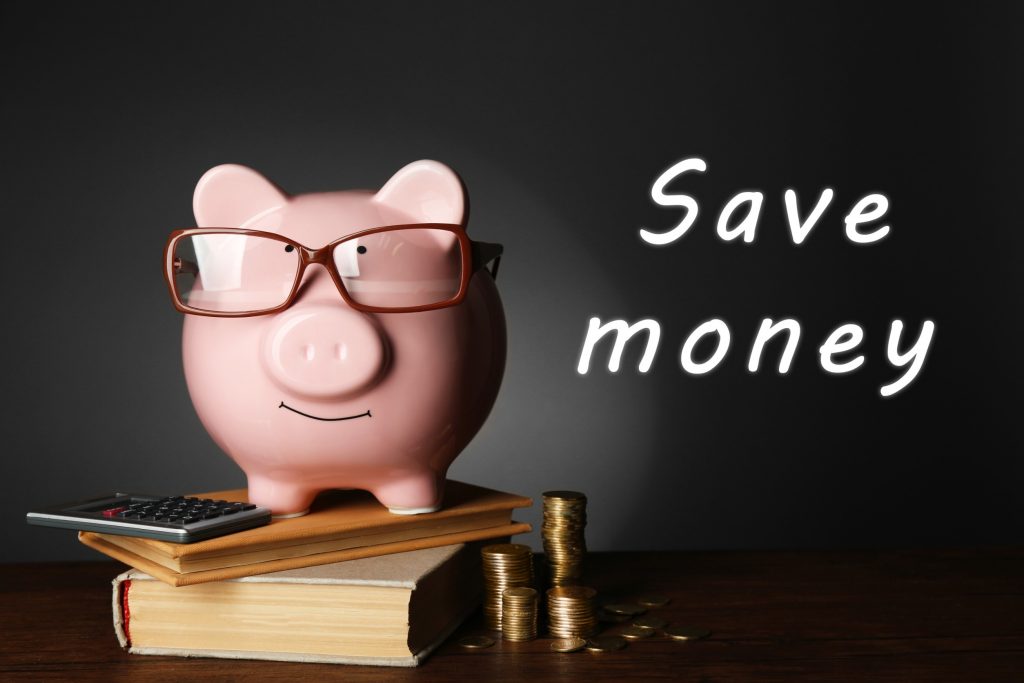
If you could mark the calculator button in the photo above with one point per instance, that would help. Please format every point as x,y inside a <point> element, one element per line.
<point>248,506</point>
<point>191,519</point>
<point>211,515</point>
<point>230,511</point>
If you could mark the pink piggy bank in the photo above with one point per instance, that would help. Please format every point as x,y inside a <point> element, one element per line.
<point>340,339</point>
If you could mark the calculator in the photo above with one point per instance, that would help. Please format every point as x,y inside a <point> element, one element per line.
<point>178,519</point>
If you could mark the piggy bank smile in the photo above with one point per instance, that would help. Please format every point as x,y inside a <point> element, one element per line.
<point>324,419</point>
<point>333,307</point>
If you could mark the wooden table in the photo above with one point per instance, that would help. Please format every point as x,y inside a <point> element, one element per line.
<point>893,615</point>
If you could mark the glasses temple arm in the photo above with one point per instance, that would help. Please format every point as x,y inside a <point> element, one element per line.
<point>485,252</point>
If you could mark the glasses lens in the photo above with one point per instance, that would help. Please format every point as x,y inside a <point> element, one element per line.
<point>231,273</point>
<point>401,268</point>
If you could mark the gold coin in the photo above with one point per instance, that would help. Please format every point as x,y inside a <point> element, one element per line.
<point>611,617</point>
<point>505,566</point>
<point>522,592</point>
<point>649,622</point>
<point>654,600</point>
<point>636,633</point>
<point>562,533</point>
<point>606,644</point>
<point>626,608</point>
<point>572,644</point>
<point>572,593</point>
<point>506,549</point>
<point>476,642</point>
<point>686,633</point>
<point>565,495</point>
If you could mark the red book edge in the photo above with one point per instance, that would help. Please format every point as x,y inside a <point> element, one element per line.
<point>126,613</point>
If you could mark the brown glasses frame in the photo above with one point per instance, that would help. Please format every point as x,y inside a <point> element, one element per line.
<point>475,255</point>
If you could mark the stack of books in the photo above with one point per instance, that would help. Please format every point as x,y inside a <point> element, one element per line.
<point>347,583</point>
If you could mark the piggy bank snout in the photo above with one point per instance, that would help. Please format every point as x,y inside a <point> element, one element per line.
<point>323,351</point>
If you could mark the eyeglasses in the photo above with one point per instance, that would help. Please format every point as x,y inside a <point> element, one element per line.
<point>235,273</point>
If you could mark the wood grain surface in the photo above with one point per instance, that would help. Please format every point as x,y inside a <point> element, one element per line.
<point>892,615</point>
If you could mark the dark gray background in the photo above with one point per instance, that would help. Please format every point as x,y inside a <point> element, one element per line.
<point>559,118</point>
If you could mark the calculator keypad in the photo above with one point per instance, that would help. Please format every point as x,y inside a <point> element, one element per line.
<point>176,510</point>
<point>176,519</point>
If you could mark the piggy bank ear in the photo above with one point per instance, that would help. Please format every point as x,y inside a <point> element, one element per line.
<point>229,195</point>
<point>426,190</point>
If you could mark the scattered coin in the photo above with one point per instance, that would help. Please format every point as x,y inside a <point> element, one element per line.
<point>476,642</point>
<point>568,644</point>
<point>686,633</point>
<point>611,617</point>
<point>606,644</point>
<point>654,600</point>
<point>630,609</point>
<point>650,622</point>
<point>636,633</point>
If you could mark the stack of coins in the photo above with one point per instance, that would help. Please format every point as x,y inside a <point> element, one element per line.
<point>571,611</point>
<point>565,517</point>
<point>506,565</point>
<point>519,613</point>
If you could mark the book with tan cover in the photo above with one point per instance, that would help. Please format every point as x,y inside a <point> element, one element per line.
<point>390,610</point>
<point>342,525</point>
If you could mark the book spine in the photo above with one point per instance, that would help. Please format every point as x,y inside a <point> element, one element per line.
<point>122,583</point>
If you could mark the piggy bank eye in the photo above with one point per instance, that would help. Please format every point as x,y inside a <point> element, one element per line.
<point>361,249</point>
<point>289,248</point>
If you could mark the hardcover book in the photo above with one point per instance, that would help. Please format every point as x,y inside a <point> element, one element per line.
<point>342,525</point>
<point>391,610</point>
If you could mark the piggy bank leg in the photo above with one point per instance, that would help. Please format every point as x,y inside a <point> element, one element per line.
<point>283,498</point>
<point>414,494</point>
